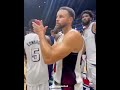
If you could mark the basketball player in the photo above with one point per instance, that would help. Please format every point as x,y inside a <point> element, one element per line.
<point>66,52</point>
<point>89,37</point>
<point>37,71</point>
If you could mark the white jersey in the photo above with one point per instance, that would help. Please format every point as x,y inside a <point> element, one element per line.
<point>37,70</point>
<point>68,69</point>
<point>90,44</point>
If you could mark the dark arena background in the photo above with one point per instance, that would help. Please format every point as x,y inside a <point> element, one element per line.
<point>47,9</point>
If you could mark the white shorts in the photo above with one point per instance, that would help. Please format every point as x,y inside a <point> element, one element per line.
<point>44,86</point>
<point>91,73</point>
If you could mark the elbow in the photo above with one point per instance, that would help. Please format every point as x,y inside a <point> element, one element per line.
<point>47,62</point>
<point>49,59</point>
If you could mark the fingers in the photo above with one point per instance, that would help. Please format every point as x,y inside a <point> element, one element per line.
<point>38,25</point>
<point>37,21</point>
<point>46,27</point>
<point>34,24</point>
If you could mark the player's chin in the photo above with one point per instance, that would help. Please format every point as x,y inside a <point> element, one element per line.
<point>57,26</point>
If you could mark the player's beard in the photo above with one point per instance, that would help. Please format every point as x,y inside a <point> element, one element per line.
<point>60,26</point>
<point>85,23</point>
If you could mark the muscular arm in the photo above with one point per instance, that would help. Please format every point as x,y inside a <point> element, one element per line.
<point>48,39</point>
<point>94,27</point>
<point>56,52</point>
<point>25,57</point>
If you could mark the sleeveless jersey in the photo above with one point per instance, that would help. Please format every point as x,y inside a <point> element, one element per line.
<point>90,44</point>
<point>68,69</point>
<point>37,70</point>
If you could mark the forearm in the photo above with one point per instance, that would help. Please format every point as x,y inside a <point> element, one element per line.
<point>45,49</point>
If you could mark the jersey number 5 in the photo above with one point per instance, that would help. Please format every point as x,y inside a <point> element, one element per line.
<point>35,55</point>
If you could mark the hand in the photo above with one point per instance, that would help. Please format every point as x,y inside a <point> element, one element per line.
<point>38,27</point>
<point>84,76</point>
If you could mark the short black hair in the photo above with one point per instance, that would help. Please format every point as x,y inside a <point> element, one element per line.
<point>70,11</point>
<point>30,24</point>
<point>87,12</point>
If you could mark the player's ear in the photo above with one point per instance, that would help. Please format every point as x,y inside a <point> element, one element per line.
<point>71,19</point>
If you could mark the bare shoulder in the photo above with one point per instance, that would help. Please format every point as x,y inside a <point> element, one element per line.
<point>74,39</point>
<point>94,24</point>
<point>94,27</point>
<point>74,34</point>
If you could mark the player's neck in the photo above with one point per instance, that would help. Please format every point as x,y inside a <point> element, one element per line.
<point>66,29</point>
<point>86,26</point>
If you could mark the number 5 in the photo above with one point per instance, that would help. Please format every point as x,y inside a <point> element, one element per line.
<point>35,55</point>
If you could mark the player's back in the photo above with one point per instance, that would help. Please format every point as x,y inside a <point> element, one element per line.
<point>37,70</point>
